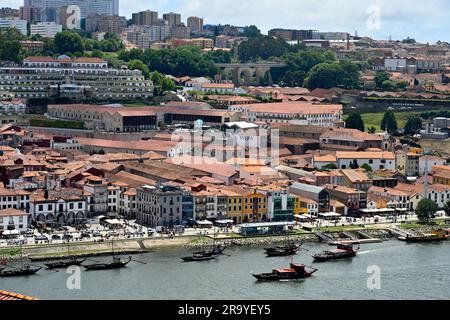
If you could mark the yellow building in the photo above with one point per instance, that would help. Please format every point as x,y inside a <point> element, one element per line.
<point>301,207</point>
<point>235,200</point>
<point>254,207</point>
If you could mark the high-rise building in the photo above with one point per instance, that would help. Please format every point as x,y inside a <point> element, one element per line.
<point>180,32</point>
<point>141,39</point>
<point>174,19</point>
<point>195,24</point>
<point>145,18</point>
<point>45,29</point>
<point>31,14</point>
<point>112,24</point>
<point>50,8</point>
<point>159,33</point>
<point>20,25</point>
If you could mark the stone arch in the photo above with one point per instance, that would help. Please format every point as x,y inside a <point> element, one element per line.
<point>40,218</point>
<point>246,74</point>
<point>261,73</point>
<point>61,218</point>
<point>229,74</point>
<point>50,217</point>
<point>80,217</point>
<point>71,217</point>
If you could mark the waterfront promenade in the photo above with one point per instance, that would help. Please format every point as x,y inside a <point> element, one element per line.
<point>134,238</point>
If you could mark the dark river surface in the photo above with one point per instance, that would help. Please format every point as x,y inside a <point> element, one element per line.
<point>408,271</point>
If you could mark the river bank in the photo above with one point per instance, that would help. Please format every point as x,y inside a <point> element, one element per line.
<point>137,246</point>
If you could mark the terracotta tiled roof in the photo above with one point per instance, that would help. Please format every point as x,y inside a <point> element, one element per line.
<point>10,212</point>
<point>5,295</point>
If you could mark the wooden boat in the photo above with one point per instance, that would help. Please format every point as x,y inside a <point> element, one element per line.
<point>206,254</point>
<point>288,249</point>
<point>117,263</point>
<point>64,264</point>
<point>282,251</point>
<point>433,237</point>
<point>23,271</point>
<point>202,256</point>
<point>296,271</point>
<point>343,251</point>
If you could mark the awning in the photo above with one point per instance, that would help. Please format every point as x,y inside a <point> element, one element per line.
<point>204,222</point>
<point>11,232</point>
<point>113,221</point>
<point>224,221</point>
<point>301,217</point>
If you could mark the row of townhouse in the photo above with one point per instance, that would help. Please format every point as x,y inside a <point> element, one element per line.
<point>166,205</point>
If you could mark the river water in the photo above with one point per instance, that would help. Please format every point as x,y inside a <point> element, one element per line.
<point>408,271</point>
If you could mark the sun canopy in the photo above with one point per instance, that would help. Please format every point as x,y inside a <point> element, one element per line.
<point>224,221</point>
<point>113,222</point>
<point>204,222</point>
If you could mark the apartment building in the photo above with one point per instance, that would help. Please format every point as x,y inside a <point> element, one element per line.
<point>408,164</point>
<point>159,206</point>
<point>145,18</point>
<point>43,77</point>
<point>142,40</point>
<point>45,29</point>
<point>20,25</point>
<point>98,188</point>
<point>397,199</point>
<point>64,206</point>
<point>354,199</point>
<point>13,219</point>
<point>195,24</point>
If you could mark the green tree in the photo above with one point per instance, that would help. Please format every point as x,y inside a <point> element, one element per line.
<point>380,77</point>
<point>372,130</point>
<point>388,85</point>
<point>367,167</point>
<point>355,121</point>
<point>10,48</point>
<point>139,65</point>
<point>262,48</point>
<point>68,41</point>
<point>252,32</point>
<point>413,126</point>
<point>389,122</point>
<point>183,61</point>
<point>447,208</point>
<point>426,210</point>
<point>336,74</point>
<point>168,85</point>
